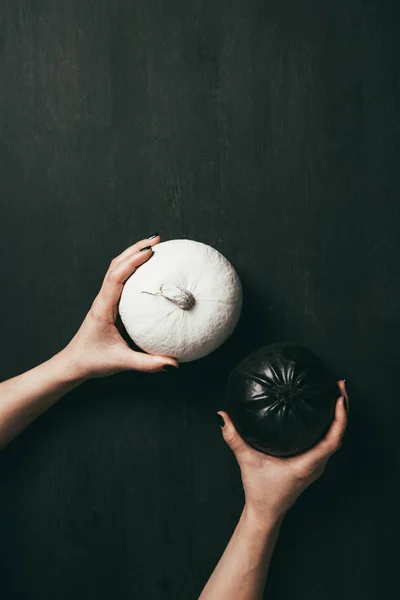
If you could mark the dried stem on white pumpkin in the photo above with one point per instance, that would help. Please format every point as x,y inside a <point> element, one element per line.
<point>179,296</point>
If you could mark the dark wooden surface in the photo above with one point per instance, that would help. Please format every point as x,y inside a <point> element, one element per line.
<point>269,130</point>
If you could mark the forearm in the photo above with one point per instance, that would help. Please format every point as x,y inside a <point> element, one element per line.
<point>25,397</point>
<point>242,570</point>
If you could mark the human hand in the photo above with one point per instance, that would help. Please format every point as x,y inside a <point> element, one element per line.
<point>98,348</point>
<point>272,484</point>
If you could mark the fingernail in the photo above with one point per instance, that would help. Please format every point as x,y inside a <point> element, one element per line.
<point>220,420</point>
<point>145,249</point>
<point>152,236</point>
<point>170,368</point>
<point>344,381</point>
<point>345,403</point>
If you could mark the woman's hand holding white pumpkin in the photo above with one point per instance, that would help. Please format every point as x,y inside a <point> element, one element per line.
<point>98,348</point>
<point>272,484</point>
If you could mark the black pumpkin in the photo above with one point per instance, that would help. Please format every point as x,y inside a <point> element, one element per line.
<point>282,399</point>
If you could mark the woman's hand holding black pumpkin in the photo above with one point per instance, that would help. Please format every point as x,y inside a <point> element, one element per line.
<point>98,348</point>
<point>271,484</point>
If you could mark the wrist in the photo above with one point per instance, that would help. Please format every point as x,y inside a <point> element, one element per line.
<point>262,519</point>
<point>68,368</point>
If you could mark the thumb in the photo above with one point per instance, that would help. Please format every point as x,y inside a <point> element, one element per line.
<point>149,363</point>
<point>231,436</point>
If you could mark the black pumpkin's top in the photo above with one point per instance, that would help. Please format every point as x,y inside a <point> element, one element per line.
<point>281,399</point>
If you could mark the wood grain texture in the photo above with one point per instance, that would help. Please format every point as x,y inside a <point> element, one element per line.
<point>269,130</point>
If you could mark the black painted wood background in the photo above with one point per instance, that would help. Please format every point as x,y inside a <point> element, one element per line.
<point>270,130</point>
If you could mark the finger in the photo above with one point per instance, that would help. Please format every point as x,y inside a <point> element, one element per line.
<point>149,363</point>
<point>343,391</point>
<point>333,439</point>
<point>152,241</point>
<point>232,438</point>
<point>114,280</point>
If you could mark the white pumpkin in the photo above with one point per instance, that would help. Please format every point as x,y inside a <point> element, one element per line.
<point>184,302</point>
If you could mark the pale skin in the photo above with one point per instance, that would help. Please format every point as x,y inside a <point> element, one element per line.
<point>271,486</point>
<point>96,350</point>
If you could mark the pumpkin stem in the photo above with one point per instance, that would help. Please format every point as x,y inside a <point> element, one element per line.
<point>181,297</point>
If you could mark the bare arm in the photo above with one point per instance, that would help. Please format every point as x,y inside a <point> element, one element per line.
<point>271,487</point>
<point>25,397</point>
<point>242,570</point>
<point>96,350</point>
